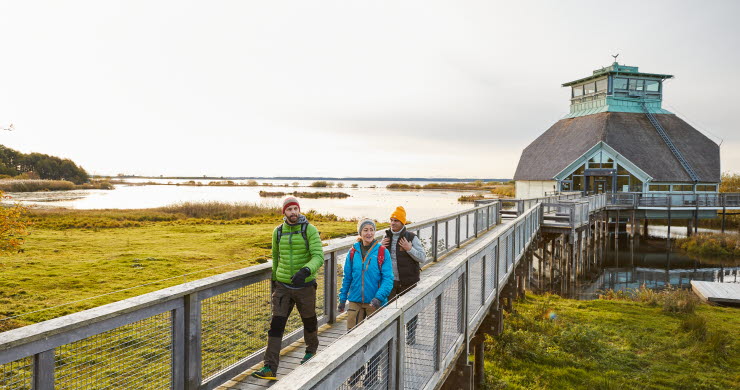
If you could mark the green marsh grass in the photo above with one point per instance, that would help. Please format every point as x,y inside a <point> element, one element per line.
<point>73,255</point>
<point>555,343</point>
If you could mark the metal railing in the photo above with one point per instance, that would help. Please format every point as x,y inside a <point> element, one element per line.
<point>412,342</point>
<point>573,212</point>
<point>663,200</point>
<point>195,335</point>
<point>520,205</point>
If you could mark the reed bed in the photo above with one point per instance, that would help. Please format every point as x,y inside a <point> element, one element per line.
<point>35,185</point>
<point>308,195</point>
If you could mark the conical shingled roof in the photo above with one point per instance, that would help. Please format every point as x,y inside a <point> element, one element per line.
<point>631,135</point>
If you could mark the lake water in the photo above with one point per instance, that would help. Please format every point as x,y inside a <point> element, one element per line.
<point>370,198</point>
<point>648,262</point>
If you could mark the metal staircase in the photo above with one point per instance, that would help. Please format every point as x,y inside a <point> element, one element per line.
<point>684,163</point>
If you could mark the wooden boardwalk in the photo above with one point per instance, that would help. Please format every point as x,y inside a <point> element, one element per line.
<point>717,292</point>
<point>290,358</point>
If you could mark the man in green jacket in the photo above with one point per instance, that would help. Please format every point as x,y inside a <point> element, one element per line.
<point>297,256</point>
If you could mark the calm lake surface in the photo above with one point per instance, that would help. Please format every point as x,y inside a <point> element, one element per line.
<point>370,198</point>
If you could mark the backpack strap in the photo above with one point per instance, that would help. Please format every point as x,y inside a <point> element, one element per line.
<point>304,226</point>
<point>352,252</point>
<point>381,257</point>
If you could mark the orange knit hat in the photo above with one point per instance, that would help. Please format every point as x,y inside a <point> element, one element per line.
<point>399,214</point>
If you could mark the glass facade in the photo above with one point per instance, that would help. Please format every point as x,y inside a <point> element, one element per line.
<point>623,180</point>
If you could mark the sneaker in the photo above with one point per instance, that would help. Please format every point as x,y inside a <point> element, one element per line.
<point>307,357</point>
<point>265,373</point>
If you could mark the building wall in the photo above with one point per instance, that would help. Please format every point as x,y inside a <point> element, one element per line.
<point>534,189</point>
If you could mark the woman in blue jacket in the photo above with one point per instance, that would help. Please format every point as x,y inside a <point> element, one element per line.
<point>368,276</point>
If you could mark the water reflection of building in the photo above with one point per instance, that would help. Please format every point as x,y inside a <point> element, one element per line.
<point>635,277</point>
<point>618,138</point>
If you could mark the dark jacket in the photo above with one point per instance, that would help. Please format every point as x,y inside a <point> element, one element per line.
<point>409,269</point>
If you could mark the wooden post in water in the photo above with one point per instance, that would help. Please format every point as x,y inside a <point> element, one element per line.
<point>696,215</point>
<point>724,210</point>
<point>552,264</point>
<point>668,236</point>
<point>616,232</point>
<point>645,228</point>
<point>689,222</point>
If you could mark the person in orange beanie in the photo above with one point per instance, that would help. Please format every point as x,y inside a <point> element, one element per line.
<point>407,255</point>
<point>406,251</point>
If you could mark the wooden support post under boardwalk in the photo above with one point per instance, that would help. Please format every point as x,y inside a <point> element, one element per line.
<point>645,228</point>
<point>461,377</point>
<point>724,209</point>
<point>480,373</point>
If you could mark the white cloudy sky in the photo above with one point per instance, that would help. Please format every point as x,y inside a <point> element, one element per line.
<point>340,88</point>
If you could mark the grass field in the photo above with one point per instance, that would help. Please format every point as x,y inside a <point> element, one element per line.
<point>71,255</point>
<point>554,343</point>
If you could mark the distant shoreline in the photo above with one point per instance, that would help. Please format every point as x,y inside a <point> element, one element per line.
<point>427,179</point>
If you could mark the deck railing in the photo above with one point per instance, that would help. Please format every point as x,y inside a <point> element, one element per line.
<point>195,335</point>
<point>665,200</point>
<point>413,341</point>
<point>574,212</point>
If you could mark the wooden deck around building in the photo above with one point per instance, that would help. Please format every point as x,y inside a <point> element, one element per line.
<point>717,292</point>
<point>290,358</point>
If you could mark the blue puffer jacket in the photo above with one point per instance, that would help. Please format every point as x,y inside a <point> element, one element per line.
<point>364,281</point>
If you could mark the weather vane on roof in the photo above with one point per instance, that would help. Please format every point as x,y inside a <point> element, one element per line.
<point>615,57</point>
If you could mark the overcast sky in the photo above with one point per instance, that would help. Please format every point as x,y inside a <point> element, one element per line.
<point>340,88</point>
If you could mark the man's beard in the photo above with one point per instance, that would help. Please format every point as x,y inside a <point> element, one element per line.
<point>293,218</point>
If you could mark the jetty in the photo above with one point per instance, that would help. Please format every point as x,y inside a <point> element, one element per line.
<point>724,293</point>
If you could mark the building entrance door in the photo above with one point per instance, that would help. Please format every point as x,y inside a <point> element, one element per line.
<point>599,186</point>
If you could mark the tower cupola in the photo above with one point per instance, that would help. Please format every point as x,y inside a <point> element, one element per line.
<point>617,88</point>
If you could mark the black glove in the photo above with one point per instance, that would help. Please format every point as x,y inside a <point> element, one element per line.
<point>300,276</point>
<point>341,307</point>
<point>375,303</point>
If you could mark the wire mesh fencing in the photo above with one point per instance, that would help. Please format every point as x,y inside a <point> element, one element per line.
<point>452,314</point>
<point>490,268</point>
<point>234,325</point>
<point>374,375</point>
<point>475,284</point>
<point>17,374</point>
<point>421,347</point>
<point>134,356</point>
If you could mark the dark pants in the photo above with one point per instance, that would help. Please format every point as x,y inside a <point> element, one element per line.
<point>400,289</point>
<point>283,300</point>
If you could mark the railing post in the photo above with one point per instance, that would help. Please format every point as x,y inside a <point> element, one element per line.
<point>43,370</point>
<point>466,312</point>
<point>475,222</point>
<point>435,240</point>
<point>438,333</point>
<point>457,231</point>
<point>178,349</point>
<point>400,352</point>
<point>193,358</point>
<point>330,287</point>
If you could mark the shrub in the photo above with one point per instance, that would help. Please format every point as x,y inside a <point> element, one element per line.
<point>470,198</point>
<point>673,300</point>
<point>695,324</point>
<point>320,184</point>
<point>712,245</point>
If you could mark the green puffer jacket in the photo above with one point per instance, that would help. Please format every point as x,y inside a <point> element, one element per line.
<point>292,254</point>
